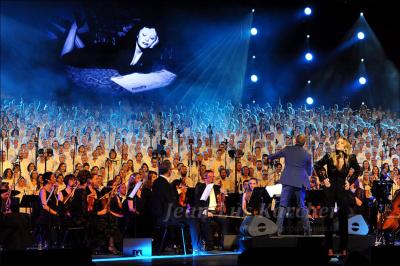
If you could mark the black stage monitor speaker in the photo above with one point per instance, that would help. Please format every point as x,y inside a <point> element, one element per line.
<point>258,226</point>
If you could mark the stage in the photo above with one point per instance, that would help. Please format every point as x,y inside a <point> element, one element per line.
<point>211,258</point>
<point>284,250</point>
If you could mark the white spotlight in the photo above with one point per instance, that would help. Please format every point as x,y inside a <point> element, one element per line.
<point>309,56</point>
<point>253,10</point>
<point>253,31</point>
<point>307,11</point>
<point>254,78</point>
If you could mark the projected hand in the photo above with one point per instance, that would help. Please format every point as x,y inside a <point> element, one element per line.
<point>155,42</point>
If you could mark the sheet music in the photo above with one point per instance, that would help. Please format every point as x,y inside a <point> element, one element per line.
<point>206,192</point>
<point>138,82</point>
<point>275,190</point>
<point>135,190</point>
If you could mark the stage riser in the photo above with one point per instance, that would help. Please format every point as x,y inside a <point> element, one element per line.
<point>56,257</point>
<point>356,243</point>
<point>303,250</point>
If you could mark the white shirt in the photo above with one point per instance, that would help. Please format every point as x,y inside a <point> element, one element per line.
<point>213,201</point>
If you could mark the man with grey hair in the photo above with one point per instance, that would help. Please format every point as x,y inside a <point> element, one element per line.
<point>294,180</point>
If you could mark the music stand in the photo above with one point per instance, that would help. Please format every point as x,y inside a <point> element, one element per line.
<point>28,201</point>
<point>233,200</point>
<point>259,199</point>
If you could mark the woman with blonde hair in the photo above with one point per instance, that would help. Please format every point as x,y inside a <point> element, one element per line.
<point>336,186</point>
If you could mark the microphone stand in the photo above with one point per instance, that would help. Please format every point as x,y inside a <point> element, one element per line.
<point>172,135</point>
<point>226,149</point>
<point>312,152</point>
<point>210,133</point>
<point>122,151</point>
<point>36,140</point>
<point>115,137</point>
<point>45,161</point>
<point>161,125</point>
<point>309,140</point>
<point>251,146</point>
<point>15,164</point>
<point>151,134</point>
<point>75,151</point>
<point>108,170</point>
<point>236,181</point>
<point>178,133</point>
<point>7,145</point>
<point>190,161</point>
<point>109,135</point>
<point>2,163</point>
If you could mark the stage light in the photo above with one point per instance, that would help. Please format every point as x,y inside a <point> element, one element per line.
<point>362,80</point>
<point>254,78</point>
<point>253,31</point>
<point>254,57</point>
<point>361,14</point>
<point>362,59</point>
<point>309,100</point>
<point>253,10</point>
<point>308,56</point>
<point>307,11</point>
<point>308,36</point>
<point>309,81</point>
<point>360,35</point>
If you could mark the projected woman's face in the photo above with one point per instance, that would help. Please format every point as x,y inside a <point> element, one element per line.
<point>147,38</point>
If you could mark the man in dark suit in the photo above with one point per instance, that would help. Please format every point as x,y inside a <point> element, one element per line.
<point>164,200</point>
<point>165,207</point>
<point>209,224</point>
<point>294,180</point>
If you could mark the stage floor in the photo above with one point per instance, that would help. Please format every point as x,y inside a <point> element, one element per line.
<point>255,250</point>
<point>212,258</point>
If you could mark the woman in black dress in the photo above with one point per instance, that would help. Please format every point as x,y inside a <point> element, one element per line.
<point>48,221</point>
<point>336,188</point>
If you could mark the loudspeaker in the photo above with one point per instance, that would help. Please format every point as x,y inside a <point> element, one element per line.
<point>81,257</point>
<point>137,247</point>
<point>356,225</point>
<point>257,226</point>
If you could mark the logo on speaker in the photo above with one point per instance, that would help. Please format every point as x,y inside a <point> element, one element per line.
<point>137,252</point>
